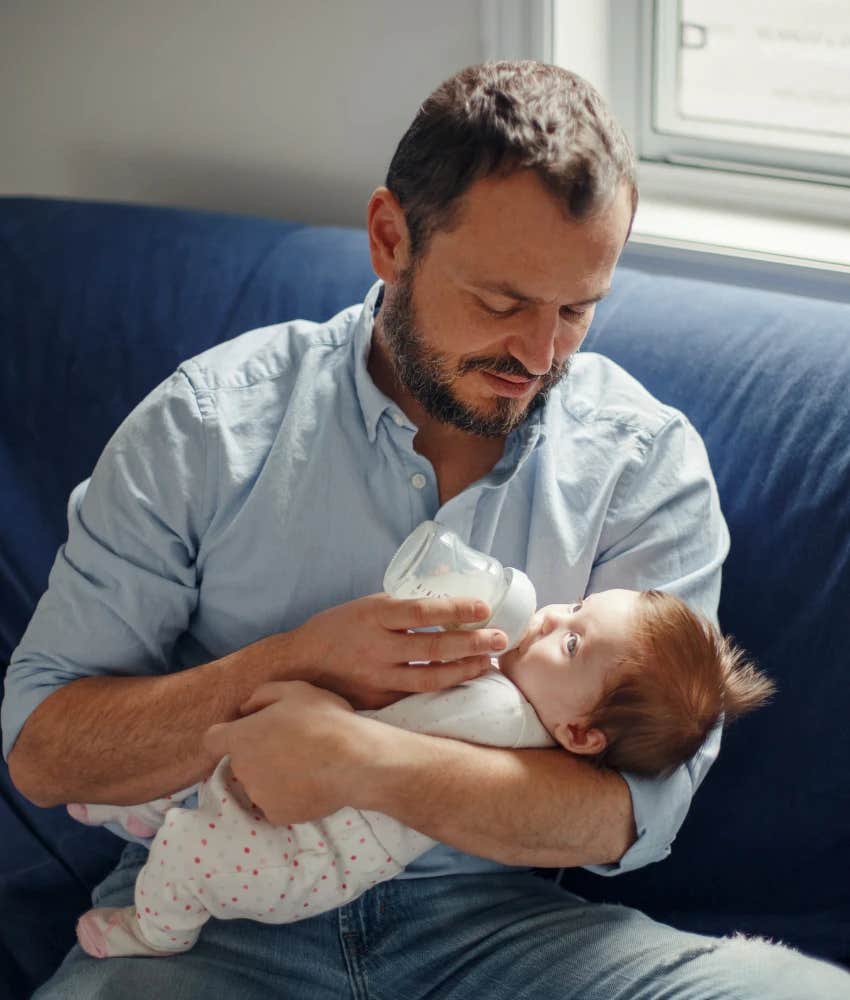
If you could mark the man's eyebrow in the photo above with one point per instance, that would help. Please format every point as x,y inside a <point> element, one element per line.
<point>507,289</point>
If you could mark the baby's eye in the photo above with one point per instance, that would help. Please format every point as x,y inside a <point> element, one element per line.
<point>571,643</point>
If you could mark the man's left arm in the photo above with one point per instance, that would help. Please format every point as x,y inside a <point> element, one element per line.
<point>302,753</point>
<point>527,807</point>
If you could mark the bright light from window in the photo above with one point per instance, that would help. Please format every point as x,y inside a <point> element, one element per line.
<point>774,74</point>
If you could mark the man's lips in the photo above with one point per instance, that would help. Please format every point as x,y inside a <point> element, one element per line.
<point>509,385</point>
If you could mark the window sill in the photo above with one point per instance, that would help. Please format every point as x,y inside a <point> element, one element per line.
<point>766,219</point>
<point>786,236</point>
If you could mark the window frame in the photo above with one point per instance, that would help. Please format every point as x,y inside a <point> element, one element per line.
<point>664,137</point>
<point>687,172</point>
<point>716,212</point>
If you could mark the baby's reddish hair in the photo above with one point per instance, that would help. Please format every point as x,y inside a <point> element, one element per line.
<point>672,688</point>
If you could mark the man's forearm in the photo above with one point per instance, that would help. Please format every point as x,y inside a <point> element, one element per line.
<point>526,807</point>
<point>125,740</point>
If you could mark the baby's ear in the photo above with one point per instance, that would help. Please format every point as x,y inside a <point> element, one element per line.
<point>579,739</point>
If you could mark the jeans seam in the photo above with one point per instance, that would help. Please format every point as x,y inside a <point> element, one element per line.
<point>351,943</point>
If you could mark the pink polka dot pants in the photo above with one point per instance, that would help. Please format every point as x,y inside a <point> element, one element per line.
<point>225,860</point>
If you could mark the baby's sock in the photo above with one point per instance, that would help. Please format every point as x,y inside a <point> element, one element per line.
<point>109,931</point>
<point>128,819</point>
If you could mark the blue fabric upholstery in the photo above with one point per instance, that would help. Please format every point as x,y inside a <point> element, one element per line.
<point>99,302</point>
<point>763,377</point>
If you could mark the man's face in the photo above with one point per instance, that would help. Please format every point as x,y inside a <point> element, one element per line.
<point>485,322</point>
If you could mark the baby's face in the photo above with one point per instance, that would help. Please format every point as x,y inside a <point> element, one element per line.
<point>565,659</point>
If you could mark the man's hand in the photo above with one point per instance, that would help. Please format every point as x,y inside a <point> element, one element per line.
<point>362,650</point>
<point>290,752</point>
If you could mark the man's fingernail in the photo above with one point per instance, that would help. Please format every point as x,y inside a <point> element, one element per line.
<point>499,641</point>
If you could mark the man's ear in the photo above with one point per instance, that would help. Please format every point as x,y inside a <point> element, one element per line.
<point>576,738</point>
<point>388,238</point>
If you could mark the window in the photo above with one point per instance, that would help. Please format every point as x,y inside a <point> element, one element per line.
<point>739,112</point>
<point>750,86</point>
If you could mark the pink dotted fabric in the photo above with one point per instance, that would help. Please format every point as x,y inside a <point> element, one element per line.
<point>224,859</point>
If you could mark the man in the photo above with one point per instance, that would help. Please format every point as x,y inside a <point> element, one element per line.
<point>208,600</point>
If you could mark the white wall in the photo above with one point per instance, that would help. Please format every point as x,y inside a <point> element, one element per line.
<point>275,107</point>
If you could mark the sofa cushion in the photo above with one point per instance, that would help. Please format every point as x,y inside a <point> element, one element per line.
<point>98,303</point>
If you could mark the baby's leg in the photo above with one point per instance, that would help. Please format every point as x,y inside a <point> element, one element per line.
<point>282,874</point>
<point>248,868</point>
<point>225,860</point>
<point>168,913</point>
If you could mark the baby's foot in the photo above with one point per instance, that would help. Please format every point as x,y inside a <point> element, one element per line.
<point>139,828</point>
<point>98,815</point>
<point>78,811</point>
<point>109,932</point>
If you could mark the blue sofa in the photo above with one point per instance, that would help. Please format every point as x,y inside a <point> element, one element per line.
<point>99,302</point>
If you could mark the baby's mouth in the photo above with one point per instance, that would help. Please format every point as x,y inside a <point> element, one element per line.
<point>534,631</point>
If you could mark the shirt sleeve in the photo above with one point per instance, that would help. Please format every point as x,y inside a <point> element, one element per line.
<point>124,585</point>
<point>665,530</point>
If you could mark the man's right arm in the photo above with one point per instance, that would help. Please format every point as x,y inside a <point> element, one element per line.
<point>133,739</point>
<point>125,740</point>
<point>94,709</point>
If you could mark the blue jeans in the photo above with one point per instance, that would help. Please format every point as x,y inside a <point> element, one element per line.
<point>471,937</point>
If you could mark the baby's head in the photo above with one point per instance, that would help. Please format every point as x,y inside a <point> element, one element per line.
<point>633,679</point>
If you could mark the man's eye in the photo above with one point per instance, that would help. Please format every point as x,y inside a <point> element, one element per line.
<point>571,643</point>
<point>510,311</point>
<point>567,312</point>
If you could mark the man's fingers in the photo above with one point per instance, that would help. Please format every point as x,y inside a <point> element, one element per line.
<point>263,696</point>
<point>217,739</point>
<point>436,677</point>
<point>400,614</point>
<point>451,646</point>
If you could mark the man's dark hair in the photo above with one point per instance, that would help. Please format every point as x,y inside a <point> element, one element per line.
<point>501,117</point>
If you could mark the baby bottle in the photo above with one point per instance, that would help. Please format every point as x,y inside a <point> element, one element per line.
<point>433,562</point>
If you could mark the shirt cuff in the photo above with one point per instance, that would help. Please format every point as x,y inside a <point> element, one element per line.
<point>660,806</point>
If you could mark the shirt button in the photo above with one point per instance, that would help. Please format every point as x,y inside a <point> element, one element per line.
<point>398,419</point>
<point>418,481</point>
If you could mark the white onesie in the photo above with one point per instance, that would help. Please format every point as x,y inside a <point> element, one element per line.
<point>224,859</point>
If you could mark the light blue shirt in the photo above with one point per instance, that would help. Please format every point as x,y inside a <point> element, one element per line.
<point>269,479</point>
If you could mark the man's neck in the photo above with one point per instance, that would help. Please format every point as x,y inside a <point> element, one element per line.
<point>458,457</point>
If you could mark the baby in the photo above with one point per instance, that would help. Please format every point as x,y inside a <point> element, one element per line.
<point>633,680</point>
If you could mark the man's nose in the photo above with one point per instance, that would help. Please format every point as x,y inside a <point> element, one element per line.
<point>544,340</point>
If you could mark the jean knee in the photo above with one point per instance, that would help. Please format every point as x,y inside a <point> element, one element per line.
<point>752,967</point>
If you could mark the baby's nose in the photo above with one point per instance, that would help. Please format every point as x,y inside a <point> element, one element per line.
<point>555,616</point>
<point>551,619</point>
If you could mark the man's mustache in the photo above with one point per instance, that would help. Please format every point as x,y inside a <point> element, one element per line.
<point>510,366</point>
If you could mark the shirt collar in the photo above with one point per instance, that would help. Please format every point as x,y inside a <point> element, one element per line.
<point>372,401</point>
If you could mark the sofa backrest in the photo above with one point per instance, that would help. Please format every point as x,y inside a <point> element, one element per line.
<point>98,303</point>
<point>764,378</point>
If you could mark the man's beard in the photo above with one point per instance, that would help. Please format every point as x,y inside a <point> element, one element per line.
<point>428,376</point>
